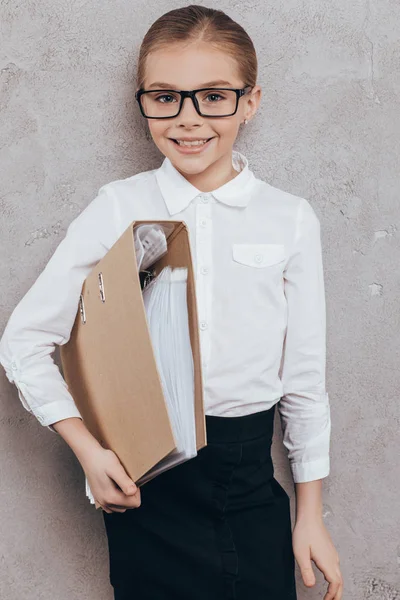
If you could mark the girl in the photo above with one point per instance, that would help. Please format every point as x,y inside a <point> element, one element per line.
<point>217,526</point>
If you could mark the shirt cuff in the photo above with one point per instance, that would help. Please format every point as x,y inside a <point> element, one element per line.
<point>48,414</point>
<point>310,471</point>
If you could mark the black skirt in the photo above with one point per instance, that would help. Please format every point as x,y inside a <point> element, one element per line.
<point>216,527</point>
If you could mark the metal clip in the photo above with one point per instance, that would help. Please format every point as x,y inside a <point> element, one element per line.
<point>82,309</point>
<point>147,278</point>
<point>101,286</point>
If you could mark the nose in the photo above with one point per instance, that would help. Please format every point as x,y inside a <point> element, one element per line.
<point>189,115</point>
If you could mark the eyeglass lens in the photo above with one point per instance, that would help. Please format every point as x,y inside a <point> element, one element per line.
<point>211,103</point>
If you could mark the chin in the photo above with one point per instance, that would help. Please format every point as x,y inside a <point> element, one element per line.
<point>190,168</point>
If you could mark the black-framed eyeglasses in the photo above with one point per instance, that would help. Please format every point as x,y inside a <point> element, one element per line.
<point>167,104</point>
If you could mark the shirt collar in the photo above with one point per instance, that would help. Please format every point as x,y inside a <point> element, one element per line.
<point>178,192</point>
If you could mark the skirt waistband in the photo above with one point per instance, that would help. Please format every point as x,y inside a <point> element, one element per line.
<point>241,428</point>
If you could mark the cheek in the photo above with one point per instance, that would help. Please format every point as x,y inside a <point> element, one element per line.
<point>227,129</point>
<point>227,125</point>
<point>157,128</point>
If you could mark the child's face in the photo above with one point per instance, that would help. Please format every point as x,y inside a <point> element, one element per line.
<point>188,67</point>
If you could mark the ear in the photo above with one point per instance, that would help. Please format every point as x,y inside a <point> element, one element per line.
<point>253,100</point>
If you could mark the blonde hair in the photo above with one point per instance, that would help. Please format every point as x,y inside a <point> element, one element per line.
<point>196,23</point>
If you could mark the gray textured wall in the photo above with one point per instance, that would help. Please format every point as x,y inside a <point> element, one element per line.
<point>328,129</point>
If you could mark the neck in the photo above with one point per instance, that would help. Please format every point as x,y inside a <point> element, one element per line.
<point>217,174</point>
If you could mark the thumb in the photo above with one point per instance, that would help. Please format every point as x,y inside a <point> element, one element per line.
<point>306,570</point>
<point>122,479</point>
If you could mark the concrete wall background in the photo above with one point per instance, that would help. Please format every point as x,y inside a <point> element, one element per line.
<point>328,129</point>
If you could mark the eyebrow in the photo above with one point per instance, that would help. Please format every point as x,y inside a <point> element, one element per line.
<point>170,86</point>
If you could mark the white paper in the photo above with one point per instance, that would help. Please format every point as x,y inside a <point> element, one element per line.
<point>165,299</point>
<point>150,243</point>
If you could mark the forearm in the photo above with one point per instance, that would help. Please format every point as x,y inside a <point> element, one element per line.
<point>77,436</point>
<point>309,500</point>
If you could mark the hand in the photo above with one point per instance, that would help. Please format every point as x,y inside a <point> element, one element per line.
<point>111,486</point>
<point>311,541</point>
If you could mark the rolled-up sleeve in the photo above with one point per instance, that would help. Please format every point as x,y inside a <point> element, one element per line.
<point>304,406</point>
<point>45,315</point>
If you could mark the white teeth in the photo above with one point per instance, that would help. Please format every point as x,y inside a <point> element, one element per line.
<point>194,143</point>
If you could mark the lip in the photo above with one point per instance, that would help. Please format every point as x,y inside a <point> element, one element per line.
<point>191,149</point>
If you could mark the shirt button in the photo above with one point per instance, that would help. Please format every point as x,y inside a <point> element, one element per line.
<point>203,325</point>
<point>204,270</point>
<point>203,222</point>
<point>204,199</point>
<point>13,366</point>
<point>40,418</point>
<point>258,258</point>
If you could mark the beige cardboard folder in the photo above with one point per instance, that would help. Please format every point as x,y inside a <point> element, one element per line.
<point>108,362</point>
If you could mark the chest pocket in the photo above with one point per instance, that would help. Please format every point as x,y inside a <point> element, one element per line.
<point>258,255</point>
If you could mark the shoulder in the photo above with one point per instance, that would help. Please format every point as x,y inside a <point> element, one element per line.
<point>122,200</point>
<point>294,207</point>
<point>295,203</point>
<point>120,188</point>
<point>100,218</point>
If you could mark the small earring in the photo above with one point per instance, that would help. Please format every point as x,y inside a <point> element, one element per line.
<point>245,121</point>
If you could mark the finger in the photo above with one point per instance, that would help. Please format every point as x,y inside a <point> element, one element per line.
<point>122,479</point>
<point>104,507</point>
<point>333,588</point>
<point>118,498</point>
<point>116,508</point>
<point>306,569</point>
<point>119,506</point>
<point>339,594</point>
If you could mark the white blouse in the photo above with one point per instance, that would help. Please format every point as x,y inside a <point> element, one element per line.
<point>260,294</point>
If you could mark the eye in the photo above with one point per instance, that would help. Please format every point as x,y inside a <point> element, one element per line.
<point>215,95</point>
<point>165,96</point>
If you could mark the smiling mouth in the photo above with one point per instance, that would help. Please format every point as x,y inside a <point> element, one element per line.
<point>191,144</point>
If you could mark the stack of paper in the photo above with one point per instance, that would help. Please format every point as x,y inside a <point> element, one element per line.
<point>167,316</point>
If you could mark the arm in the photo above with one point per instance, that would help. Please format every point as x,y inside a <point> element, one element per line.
<point>77,436</point>
<point>304,407</point>
<point>43,318</point>
<point>45,315</point>
<point>309,500</point>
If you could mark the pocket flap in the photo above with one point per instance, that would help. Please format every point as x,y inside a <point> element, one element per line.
<point>258,255</point>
